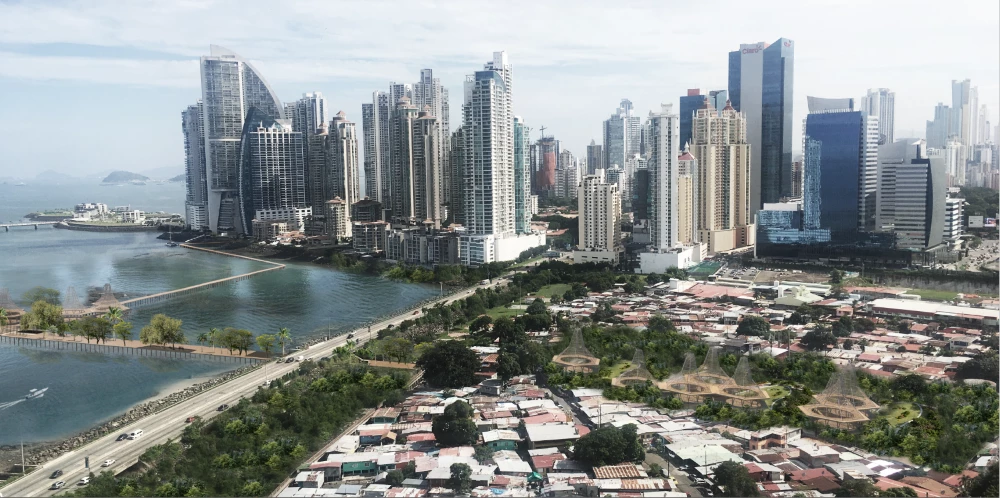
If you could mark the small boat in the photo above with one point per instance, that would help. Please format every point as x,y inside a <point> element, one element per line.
<point>36,393</point>
<point>171,244</point>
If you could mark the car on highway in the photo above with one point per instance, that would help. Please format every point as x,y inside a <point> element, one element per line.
<point>136,434</point>
<point>56,474</point>
<point>121,437</point>
<point>83,482</point>
<point>290,359</point>
<point>222,408</point>
<point>109,462</point>
<point>300,358</point>
<point>57,484</point>
<point>350,336</point>
<point>191,419</point>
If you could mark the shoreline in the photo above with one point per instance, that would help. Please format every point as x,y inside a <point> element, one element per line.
<point>41,451</point>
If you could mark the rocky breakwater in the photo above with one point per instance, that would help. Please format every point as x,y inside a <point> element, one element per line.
<point>38,453</point>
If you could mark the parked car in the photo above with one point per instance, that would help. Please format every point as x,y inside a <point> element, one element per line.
<point>109,462</point>
<point>56,474</point>
<point>58,484</point>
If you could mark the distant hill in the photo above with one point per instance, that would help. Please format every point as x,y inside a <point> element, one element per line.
<point>124,176</point>
<point>178,178</point>
<point>52,176</point>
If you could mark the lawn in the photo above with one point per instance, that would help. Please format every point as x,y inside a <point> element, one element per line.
<point>895,413</point>
<point>933,295</point>
<point>554,290</point>
<point>774,393</point>
<point>618,368</point>
<point>503,311</point>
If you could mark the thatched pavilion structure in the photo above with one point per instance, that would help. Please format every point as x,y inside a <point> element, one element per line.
<point>576,357</point>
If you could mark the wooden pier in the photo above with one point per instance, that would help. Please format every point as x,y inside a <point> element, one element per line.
<point>135,348</point>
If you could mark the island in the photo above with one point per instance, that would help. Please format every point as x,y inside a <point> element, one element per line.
<point>124,177</point>
<point>178,178</point>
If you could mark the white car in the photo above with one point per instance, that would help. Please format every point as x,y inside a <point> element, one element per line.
<point>109,462</point>
<point>83,482</point>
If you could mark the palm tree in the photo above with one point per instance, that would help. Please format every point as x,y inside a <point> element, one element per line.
<point>284,336</point>
<point>3,318</point>
<point>202,338</point>
<point>213,335</point>
<point>114,315</point>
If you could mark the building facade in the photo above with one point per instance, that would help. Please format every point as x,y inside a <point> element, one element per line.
<point>522,176</point>
<point>595,158</point>
<point>881,103</point>
<point>911,191</point>
<point>599,205</point>
<point>230,87</point>
<point>693,101</point>
<point>271,177</point>
<point>196,191</point>
<point>760,86</point>
<point>621,135</point>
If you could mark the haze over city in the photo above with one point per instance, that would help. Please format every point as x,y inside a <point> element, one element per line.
<point>117,75</point>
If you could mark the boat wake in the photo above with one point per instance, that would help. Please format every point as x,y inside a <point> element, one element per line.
<point>4,406</point>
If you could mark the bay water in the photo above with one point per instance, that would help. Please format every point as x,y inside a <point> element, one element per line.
<point>86,389</point>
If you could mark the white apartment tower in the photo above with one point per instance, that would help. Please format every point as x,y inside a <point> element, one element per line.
<point>600,221</point>
<point>488,173</point>
<point>341,180</point>
<point>719,143</point>
<point>230,86</point>
<point>662,165</point>
<point>881,103</point>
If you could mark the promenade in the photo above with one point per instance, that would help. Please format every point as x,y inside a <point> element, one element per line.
<point>132,347</point>
<point>169,423</point>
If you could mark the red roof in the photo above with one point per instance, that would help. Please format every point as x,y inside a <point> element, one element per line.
<point>545,462</point>
<point>685,157</point>
<point>802,475</point>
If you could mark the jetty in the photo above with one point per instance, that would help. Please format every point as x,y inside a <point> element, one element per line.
<point>44,340</point>
<point>36,224</point>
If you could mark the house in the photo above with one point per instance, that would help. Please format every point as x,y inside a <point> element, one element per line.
<point>774,436</point>
<point>763,472</point>
<point>310,479</point>
<point>623,471</point>
<point>550,435</point>
<point>501,439</point>
<point>387,415</point>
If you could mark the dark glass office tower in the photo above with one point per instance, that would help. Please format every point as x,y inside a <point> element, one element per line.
<point>842,141</point>
<point>760,86</point>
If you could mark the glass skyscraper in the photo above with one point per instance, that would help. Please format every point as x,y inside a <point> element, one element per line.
<point>760,86</point>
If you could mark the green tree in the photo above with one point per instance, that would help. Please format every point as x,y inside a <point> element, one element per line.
<point>398,348</point>
<point>92,327</point>
<point>984,365</point>
<point>461,478</point>
<point>818,339</point>
<point>394,478</point>
<point>537,307</point>
<point>734,480</point>
<point>480,324</point>
<point>43,316</point>
<point>836,276</point>
<point>252,488</point>
<point>162,330</point>
<point>214,335</point>
<point>46,294</point>
<point>455,426</point>
<point>114,315</point>
<point>123,331</point>
<point>449,364</point>
<point>284,336</point>
<point>856,487</point>
<point>266,343</point>
<point>3,318</point>
<point>609,446</point>
<point>202,339</point>
<point>753,325</point>
<point>984,484</point>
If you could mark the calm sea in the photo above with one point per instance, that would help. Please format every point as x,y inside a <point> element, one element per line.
<point>86,389</point>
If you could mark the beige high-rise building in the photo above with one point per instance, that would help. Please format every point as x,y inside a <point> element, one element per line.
<point>687,213</point>
<point>600,221</point>
<point>723,210</point>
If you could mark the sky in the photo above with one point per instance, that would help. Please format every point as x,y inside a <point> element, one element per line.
<point>93,86</point>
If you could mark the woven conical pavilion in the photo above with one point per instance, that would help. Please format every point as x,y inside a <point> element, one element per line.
<point>106,301</point>
<point>745,392</point>
<point>72,306</point>
<point>576,357</point>
<point>842,404</point>
<point>684,385</point>
<point>711,372</point>
<point>637,373</point>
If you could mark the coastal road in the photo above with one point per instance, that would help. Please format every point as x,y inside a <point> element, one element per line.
<point>169,423</point>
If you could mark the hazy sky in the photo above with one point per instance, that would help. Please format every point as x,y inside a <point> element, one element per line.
<point>91,86</point>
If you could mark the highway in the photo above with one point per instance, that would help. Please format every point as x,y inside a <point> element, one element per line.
<point>170,423</point>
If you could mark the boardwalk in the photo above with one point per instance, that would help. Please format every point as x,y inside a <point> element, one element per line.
<point>156,298</point>
<point>116,346</point>
<point>8,226</point>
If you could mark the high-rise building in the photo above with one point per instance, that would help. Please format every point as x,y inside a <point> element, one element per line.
<point>522,176</point>
<point>271,176</point>
<point>400,193</point>
<point>230,86</point>
<point>622,135</point>
<point>429,95</point>
<point>760,87</point>
<point>953,218</point>
<point>964,111</point>
<point>458,183</point>
<point>427,170</point>
<point>488,170</point>
<point>693,101</point>
<point>595,158</point>
<point>341,178</point>
<point>723,204</point>
<point>318,164</point>
<point>545,159</point>
<point>848,165</point>
<point>797,179</point>
<point>196,198</point>
<point>663,178</point>
<point>881,103</point>
<point>939,130</point>
<point>687,198</point>
<point>375,120</point>
<point>911,192</point>
<point>599,218</point>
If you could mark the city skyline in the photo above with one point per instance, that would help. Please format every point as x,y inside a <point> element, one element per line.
<point>95,66</point>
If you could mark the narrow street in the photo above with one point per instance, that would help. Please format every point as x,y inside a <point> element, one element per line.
<point>684,484</point>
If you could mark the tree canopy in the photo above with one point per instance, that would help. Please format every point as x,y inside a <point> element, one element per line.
<point>449,364</point>
<point>162,330</point>
<point>734,480</point>
<point>46,294</point>
<point>609,446</point>
<point>753,325</point>
<point>455,426</point>
<point>44,316</point>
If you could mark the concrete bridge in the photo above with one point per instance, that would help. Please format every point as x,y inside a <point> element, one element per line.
<point>8,226</point>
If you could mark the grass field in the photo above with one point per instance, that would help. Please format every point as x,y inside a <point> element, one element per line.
<point>895,413</point>
<point>503,311</point>
<point>933,295</point>
<point>553,290</point>
<point>775,393</point>
<point>618,368</point>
